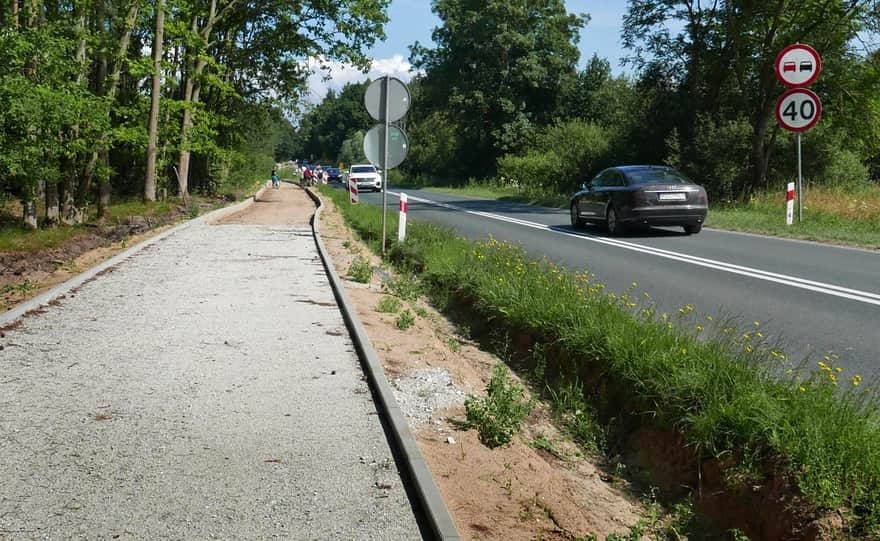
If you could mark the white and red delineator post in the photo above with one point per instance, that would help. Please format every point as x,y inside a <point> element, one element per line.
<point>401,223</point>
<point>789,204</point>
<point>353,190</point>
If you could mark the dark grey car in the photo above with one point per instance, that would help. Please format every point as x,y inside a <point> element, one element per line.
<point>640,195</point>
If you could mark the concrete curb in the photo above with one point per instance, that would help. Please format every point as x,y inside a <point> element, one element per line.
<point>63,288</point>
<point>433,505</point>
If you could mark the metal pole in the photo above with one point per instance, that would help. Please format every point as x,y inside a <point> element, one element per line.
<point>384,109</point>
<point>800,182</point>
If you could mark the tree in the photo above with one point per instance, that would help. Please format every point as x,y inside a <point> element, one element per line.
<point>156,93</point>
<point>499,67</point>
<point>722,59</point>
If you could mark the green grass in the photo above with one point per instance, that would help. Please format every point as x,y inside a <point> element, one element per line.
<point>764,217</point>
<point>716,385</point>
<point>17,238</point>
<point>122,210</point>
<point>500,193</point>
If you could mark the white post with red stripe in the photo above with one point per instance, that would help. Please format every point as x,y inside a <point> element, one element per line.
<point>401,223</point>
<point>353,189</point>
<point>789,204</point>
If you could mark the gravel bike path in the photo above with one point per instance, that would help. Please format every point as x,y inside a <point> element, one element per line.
<point>205,388</point>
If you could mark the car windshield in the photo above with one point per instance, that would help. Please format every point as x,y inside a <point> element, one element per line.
<point>647,175</point>
<point>363,169</point>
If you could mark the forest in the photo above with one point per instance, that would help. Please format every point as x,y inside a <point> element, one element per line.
<point>110,99</point>
<point>500,96</point>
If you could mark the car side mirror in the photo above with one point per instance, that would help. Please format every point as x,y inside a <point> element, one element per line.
<point>586,185</point>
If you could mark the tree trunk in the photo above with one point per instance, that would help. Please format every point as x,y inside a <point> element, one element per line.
<point>29,213</point>
<point>760,145</point>
<point>150,179</point>
<point>191,94</point>
<point>15,13</point>
<point>113,84</point>
<point>52,204</point>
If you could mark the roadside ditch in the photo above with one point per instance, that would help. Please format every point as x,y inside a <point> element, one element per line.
<point>746,481</point>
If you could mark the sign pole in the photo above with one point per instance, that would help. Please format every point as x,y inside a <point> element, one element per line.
<point>386,84</point>
<point>800,182</point>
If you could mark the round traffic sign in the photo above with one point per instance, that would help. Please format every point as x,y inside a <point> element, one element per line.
<point>397,95</point>
<point>798,109</point>
<point>398,144</point>
<point>798,65</point>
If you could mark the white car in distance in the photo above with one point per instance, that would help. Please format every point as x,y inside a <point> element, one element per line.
<point>365,177</point>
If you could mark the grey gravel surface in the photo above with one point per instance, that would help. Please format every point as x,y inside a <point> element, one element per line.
<point>206,388</point>
<point>424,392</point>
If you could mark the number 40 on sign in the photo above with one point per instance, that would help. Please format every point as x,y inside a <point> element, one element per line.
<point>798,110</point>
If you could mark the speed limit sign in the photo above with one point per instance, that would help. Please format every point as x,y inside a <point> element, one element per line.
<point>798,110</point>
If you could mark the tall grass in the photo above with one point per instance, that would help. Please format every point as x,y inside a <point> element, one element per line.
<point>718,386</point>
<point>848,216</point>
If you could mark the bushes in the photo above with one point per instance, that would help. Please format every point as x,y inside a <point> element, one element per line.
<point>533,172</point>
<point>565,155</point>
<point>498,415</point>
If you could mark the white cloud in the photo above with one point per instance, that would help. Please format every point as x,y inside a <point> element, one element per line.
<point>335,75</point>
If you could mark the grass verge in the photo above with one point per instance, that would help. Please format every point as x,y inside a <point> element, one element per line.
<point>850,217</point>
<point>723,393</point>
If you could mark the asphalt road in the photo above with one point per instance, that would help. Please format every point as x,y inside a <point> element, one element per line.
<point>810,298</point>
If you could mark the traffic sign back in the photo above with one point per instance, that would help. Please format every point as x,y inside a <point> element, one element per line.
<point>397,95</point>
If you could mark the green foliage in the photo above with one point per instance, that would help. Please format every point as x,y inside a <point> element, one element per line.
<point>389,305</point>
<point>577,416</point>
<point>360,270</point>
<point>75,106</point>
<point>718,149</point>
<point>405,286</point>
<point>534,172</point>
<point>352,150</point>
<point>405,320</point>
<point>499,415</point>
<point>498,68</point>
<point>334,129</point>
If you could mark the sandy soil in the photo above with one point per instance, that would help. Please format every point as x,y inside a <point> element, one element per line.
<point>513,493</point>
<point>287,205</point>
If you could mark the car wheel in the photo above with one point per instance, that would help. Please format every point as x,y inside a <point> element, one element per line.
<point>576,221</point>
<point>614,225</point>
<point>693,229</point>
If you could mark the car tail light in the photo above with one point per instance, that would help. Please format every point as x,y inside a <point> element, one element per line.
<point>701,198</point>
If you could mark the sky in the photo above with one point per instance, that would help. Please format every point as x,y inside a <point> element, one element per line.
<point>412,20</point>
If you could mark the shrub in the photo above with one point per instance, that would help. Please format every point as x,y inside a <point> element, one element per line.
<point>583,150</point>
<point>405,320</point>
<point>532,172</point>
<point>360,270</point>
<point>500,414</point>
<point>389,305</point>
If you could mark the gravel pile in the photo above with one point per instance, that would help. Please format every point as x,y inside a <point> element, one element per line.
<point>425,391</point>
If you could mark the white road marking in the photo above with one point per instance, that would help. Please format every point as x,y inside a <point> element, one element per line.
<point>793,281</point>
